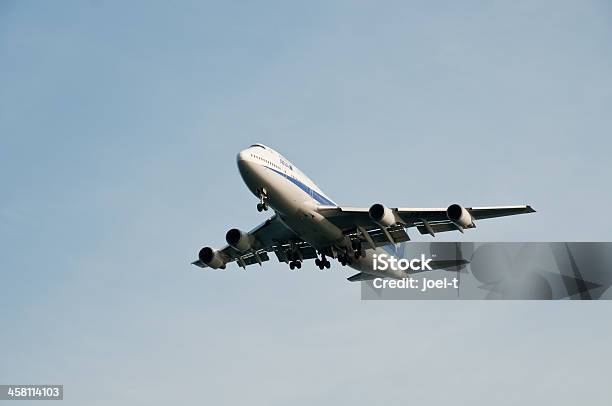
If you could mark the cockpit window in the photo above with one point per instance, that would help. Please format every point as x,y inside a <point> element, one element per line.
<point>259,146</point>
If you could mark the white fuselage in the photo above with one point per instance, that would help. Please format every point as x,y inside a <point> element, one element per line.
<point>295,198</point>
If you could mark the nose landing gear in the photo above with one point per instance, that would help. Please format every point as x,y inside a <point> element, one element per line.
<point>263,200</point>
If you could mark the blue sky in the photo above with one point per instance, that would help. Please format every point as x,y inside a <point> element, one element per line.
<point>119,127</point>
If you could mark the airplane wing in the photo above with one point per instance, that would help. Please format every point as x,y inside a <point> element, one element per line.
<point>356,222</point>
<point>426,220</point>
<point>267,237</point>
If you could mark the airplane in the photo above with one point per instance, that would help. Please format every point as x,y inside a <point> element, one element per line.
<point>308,224</point>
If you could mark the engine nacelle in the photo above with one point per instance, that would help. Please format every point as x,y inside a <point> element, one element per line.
<point>211,257</point>
<point>459,215</point>
<point>239,240</point>
<point>382,215</point>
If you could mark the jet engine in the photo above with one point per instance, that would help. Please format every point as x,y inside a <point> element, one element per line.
<point>382,215</point>
<point>459,215</point>
<point>239,240</point>
<point>211,257</point>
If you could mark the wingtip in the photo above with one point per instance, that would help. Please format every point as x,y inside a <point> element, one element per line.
<point>531,209</point>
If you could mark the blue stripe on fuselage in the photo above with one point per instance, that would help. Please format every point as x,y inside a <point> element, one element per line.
<point>310,192</point>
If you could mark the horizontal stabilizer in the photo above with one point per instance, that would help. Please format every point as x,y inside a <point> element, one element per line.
<point>458,264</point>
<point>362,276</point>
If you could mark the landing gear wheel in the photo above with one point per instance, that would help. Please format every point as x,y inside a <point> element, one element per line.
<point>263,199</point>
<point>345,260</point>
<point>298,265</point>
<point>292,265</point>
<point>322,262</point>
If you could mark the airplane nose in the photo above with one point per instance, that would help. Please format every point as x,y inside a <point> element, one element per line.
<point>243,162</point>
<point>242,156</point>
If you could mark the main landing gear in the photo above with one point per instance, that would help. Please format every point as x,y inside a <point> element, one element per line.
<point>358,249</point>
<point>322,263</point>
<point>296,261</point>
<point>263,200</point>
<point>344,260</point>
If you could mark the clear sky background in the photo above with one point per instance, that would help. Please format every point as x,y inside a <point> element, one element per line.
<point>119,127</point>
